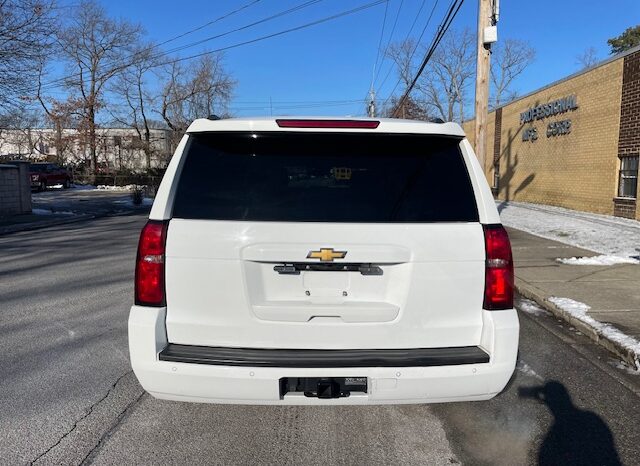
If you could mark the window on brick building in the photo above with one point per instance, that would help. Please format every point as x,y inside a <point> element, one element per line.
<point>628,177</point>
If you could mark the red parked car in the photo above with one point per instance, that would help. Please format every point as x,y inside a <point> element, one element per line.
<point>48,174</point>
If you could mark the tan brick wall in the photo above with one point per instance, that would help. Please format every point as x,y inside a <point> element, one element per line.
<point>576,170</point>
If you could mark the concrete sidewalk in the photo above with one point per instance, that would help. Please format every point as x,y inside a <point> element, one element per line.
<point>612,292</point>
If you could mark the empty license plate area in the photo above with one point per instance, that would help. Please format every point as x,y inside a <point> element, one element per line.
<point>323,387</point>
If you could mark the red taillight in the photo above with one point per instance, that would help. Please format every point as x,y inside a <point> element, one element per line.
<point>498,281</point>
<point>150,264</point>
<point>357,124</point>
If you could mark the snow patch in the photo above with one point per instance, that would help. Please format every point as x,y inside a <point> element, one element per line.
<point>603,234</point>
<point>623,366</point>
<point>51,212</point>
<point>526,369</point>
<point>129,187</point>
<point>531,307</point>
<point>604,259</point>
<point>579,311</point>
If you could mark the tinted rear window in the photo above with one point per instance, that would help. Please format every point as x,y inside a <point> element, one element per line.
<point>324,177</point>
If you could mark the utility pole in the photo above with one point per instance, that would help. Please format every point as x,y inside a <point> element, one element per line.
<point>488,11</point>
<point>371,107</point>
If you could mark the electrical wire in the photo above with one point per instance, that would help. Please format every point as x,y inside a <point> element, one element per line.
<point>415,49</point>
<point>386,48</point>
<point>442,30</point>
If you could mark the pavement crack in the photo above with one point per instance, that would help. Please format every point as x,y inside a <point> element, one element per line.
<point>83,417</point>
<point>89,456</point>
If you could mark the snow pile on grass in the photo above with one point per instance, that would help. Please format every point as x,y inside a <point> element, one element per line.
<point>600,233</point>
<point>51,212</point>
<point>129,187</point>
<point>605,259</point>
<point>579,311</point>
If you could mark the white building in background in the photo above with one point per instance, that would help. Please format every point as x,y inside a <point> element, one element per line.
<point>117,148</point>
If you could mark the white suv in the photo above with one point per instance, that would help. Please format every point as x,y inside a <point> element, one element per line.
<point>323,261</point>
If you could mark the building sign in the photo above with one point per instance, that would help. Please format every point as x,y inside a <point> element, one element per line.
<point>552,108</point>
<point>539,112</point>
<point>558,128</point>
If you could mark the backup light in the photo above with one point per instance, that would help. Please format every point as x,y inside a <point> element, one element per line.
<point>351,124</point>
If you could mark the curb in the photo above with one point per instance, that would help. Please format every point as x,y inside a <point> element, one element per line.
<point>630,357</point>
<point>44,224</point>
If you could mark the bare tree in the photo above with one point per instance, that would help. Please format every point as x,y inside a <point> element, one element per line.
<point>401,53</point>
<point>132,88</point>
<point>17,132</point>
<point>509,59</point>
<point>194,91</point>
<point>443,89</point>
<point>26,28</point>
<point>97,49</point>
<point>588,58</point>
<point>449,75</point>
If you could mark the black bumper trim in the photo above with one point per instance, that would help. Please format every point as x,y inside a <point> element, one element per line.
<point>311,358</point>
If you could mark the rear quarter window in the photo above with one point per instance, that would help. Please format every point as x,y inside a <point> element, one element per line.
<point>324,177</point>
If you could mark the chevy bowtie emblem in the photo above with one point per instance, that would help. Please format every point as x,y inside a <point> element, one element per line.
<point>326,254</point>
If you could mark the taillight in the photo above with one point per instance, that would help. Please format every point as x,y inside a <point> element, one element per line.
<point>498,281</point>
<point>351,124</point>
<point>149,289</point>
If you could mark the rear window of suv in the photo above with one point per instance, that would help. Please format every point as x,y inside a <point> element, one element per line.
<point>324,177</point>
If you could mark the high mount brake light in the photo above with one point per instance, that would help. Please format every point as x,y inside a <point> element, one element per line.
<point>498,283</point>
<point>149,283</point>
<point>355,124</point>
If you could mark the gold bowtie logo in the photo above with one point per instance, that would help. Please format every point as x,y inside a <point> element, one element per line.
<point>326,254</point>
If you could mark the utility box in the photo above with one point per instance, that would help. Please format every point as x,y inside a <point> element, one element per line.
<point>15,188</point>
<point>490,35</point>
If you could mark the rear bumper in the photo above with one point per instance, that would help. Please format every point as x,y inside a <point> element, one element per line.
<point>224,375</point>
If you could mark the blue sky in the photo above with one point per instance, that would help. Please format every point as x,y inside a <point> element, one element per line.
<point>334,61</point>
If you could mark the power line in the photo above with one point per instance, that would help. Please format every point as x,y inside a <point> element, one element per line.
<point>384,22</point>
<point>442,30</point>
<point>386,48</point>
<point>220,18</point>
<point>276,34</point>
<point>415,20</point>
<point>415,49</point>
<point>282,32</point>
<point>123,65</point>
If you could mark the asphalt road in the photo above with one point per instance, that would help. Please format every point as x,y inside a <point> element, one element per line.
<point>67,394</point>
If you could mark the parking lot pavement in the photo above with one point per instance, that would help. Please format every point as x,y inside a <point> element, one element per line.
<point>58,206</point>
<point>68,395</point>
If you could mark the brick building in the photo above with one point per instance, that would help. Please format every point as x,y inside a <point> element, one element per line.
<point>117,148</point>
<point>574,143</point>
